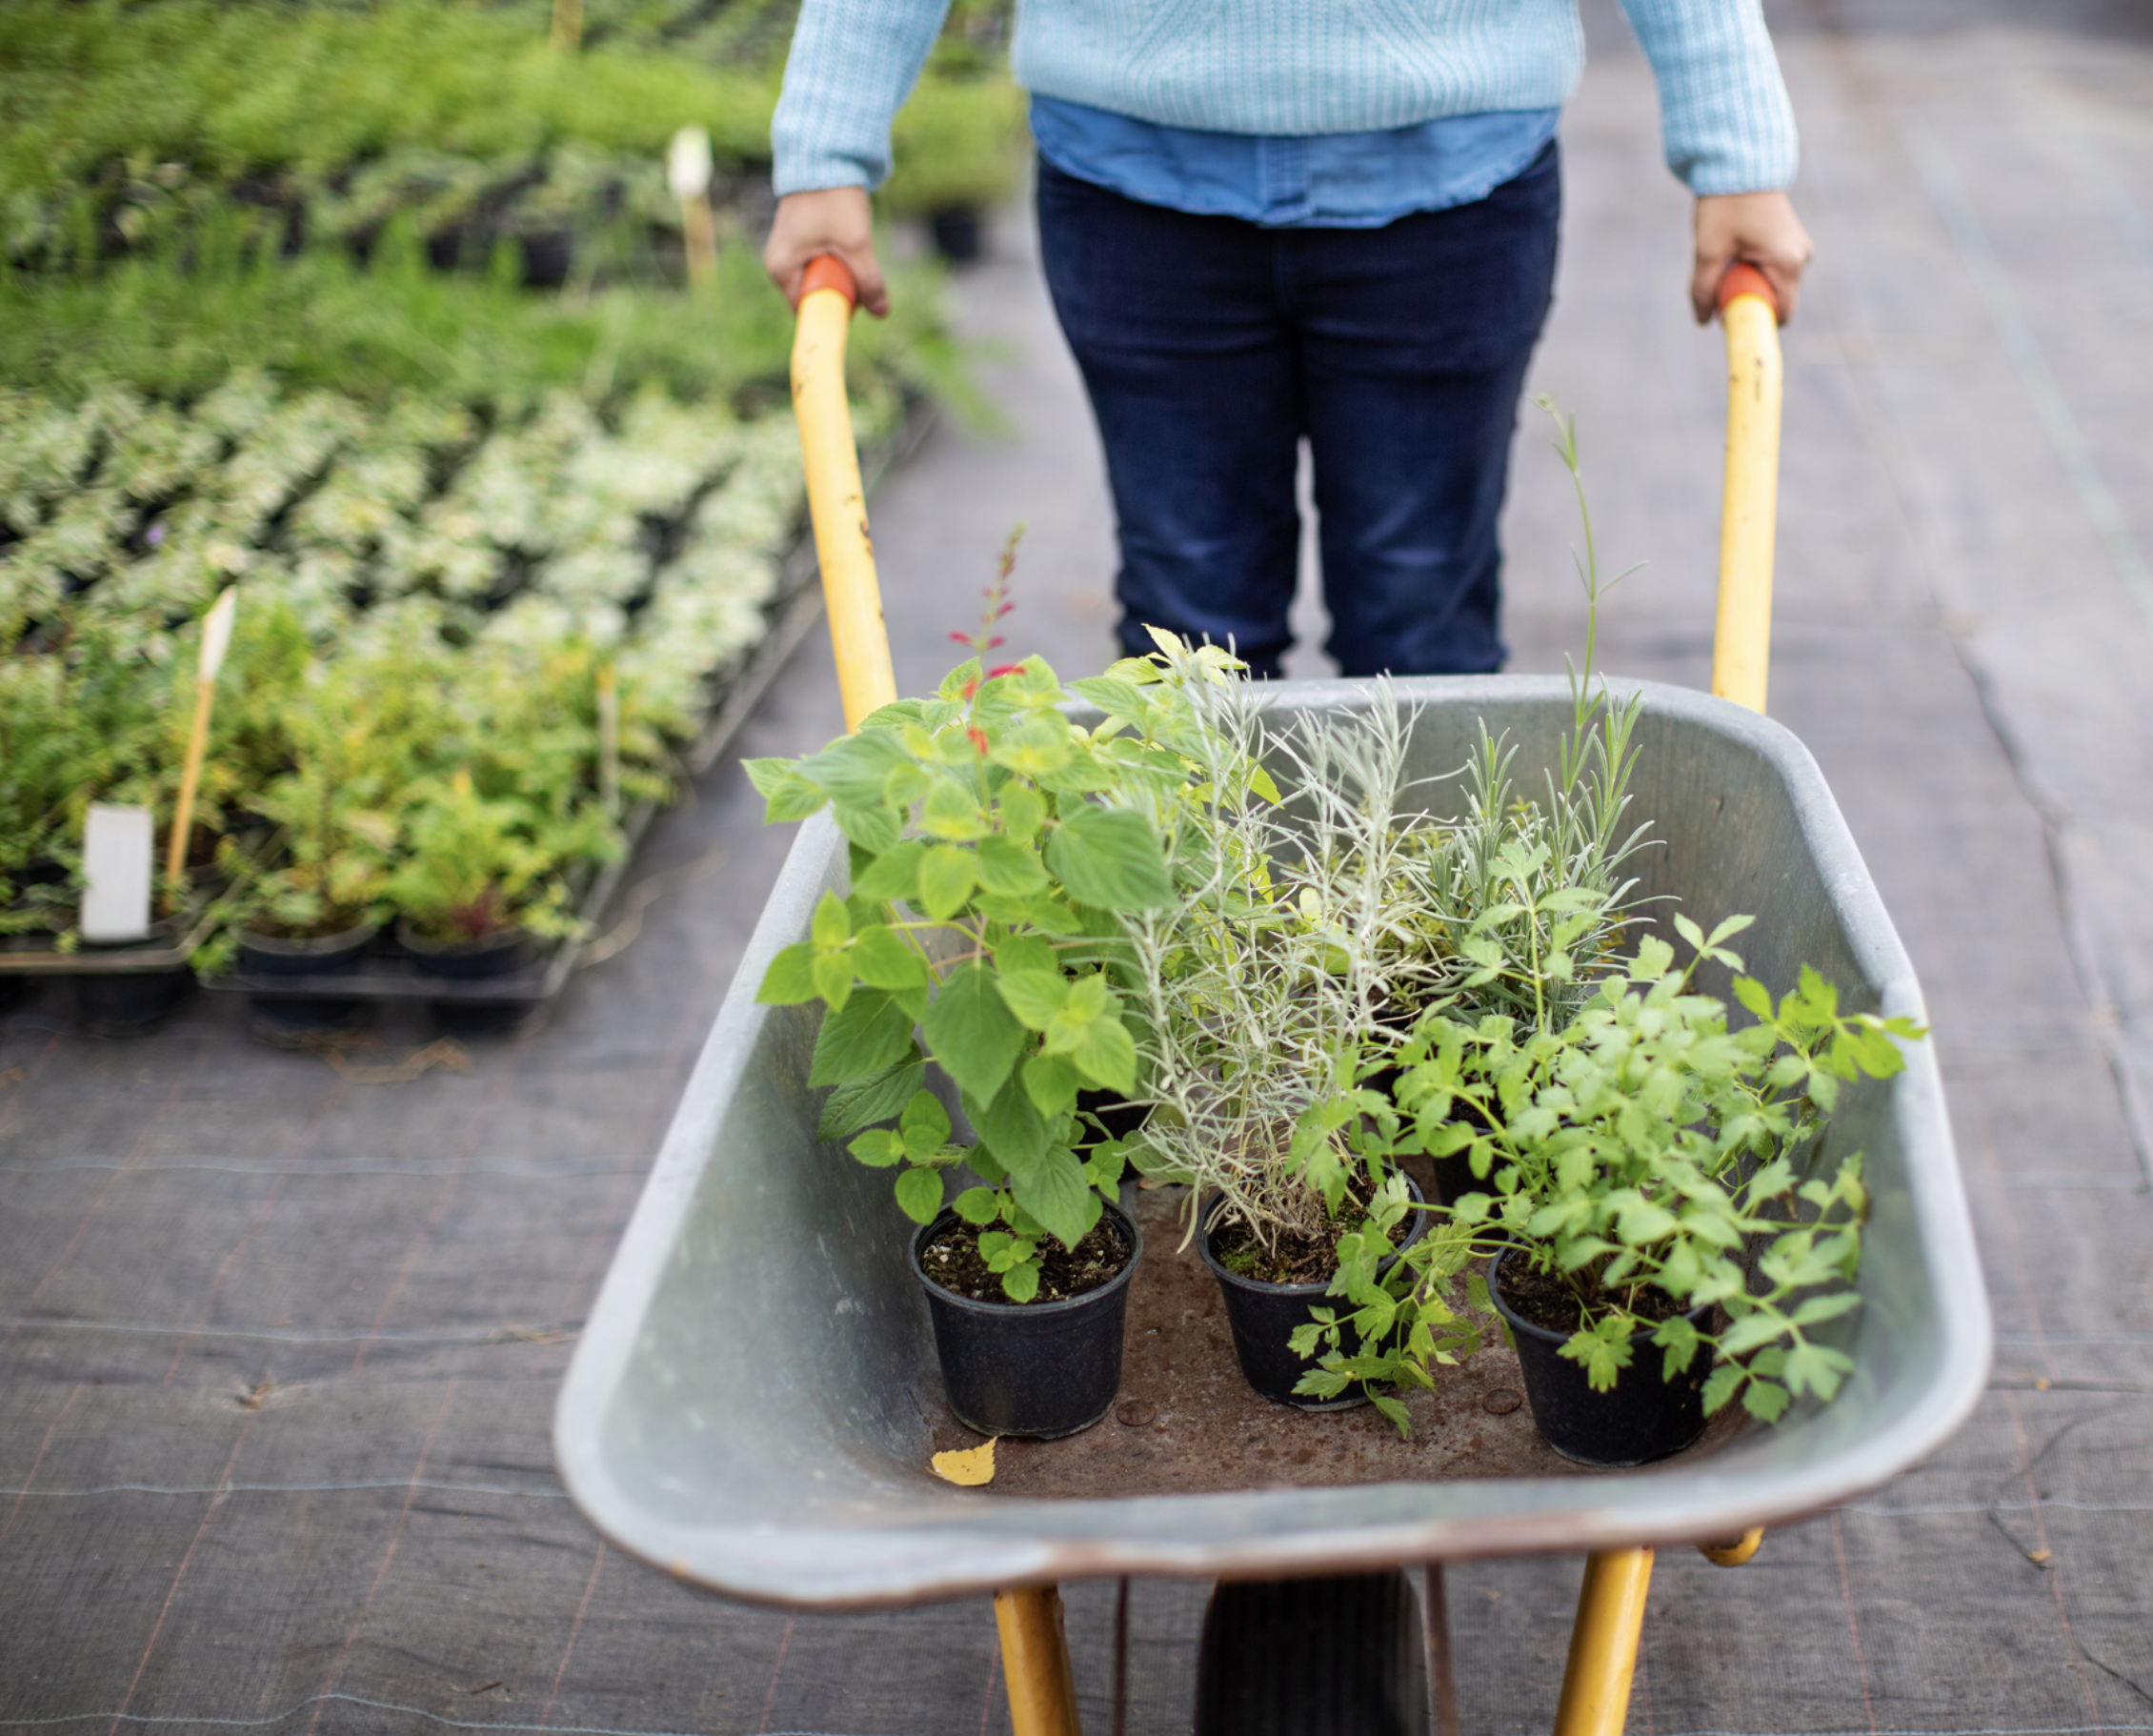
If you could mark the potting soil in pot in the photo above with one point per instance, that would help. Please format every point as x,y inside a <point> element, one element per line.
<point>1549,1301</point>
<point>1294,1259</point>
<point>952,1260</point>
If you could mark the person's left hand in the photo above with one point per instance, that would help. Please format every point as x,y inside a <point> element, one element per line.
<point>1757,229</point>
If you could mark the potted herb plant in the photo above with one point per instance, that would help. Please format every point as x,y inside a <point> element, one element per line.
<point>1267,977</point>
<point>1669,1230</point>
<point>993,870</point>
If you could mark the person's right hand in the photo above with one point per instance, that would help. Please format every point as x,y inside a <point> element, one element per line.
<point>835,220</point>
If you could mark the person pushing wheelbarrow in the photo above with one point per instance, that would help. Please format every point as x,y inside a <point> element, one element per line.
<point>1265,221</point>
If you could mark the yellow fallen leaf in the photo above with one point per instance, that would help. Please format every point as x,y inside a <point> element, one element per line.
<point>967,1469</point>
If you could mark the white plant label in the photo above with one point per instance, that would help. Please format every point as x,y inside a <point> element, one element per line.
<point>688,164</point>
<point>117,850</point>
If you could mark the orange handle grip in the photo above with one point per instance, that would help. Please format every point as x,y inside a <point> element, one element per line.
<point>1740,278</point>
<point>828,272</point>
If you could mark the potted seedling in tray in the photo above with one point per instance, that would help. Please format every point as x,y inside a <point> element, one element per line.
<point>318,908</point>
<point>993,868</point>
<point>482,884</point>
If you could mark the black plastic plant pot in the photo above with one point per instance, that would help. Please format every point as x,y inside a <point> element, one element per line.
<point>501,955</point>
<point>1119,1119</point>
<point>264,955</point>
<point>1042,1369</point>
<point>1265,1316</point>
<point>956,232</point>
<point>122,1002</point>
<point>1646,1416</point>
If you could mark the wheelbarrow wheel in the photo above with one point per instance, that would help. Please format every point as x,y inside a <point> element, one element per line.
<point>1313,1657</point>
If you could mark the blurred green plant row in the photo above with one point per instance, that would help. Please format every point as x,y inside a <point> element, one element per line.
<point>120,122</point>
<point>381,314</point>
<point>429,603</point>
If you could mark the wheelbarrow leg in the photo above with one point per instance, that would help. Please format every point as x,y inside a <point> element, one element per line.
<point>1042,1693</point>
<point>1603,1644</point>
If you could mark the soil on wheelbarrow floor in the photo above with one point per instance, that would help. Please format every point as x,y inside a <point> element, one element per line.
<point>1185,1422</point>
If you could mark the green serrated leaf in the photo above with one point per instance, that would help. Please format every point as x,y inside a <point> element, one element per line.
<point>851,769</point>
<point>1110,858</point>
<point>878,1149</point>
<point>946,879</point>
<point>883,959</point>
<point>1821,1309</point>
<point>1035,997</point>
<point>1764,1400</point>
<point>1055,1192</point>
<point>868,1035</point>
<point>972,1033</point>
<point>1020,1284</point>
<point>1721,1386</point>
<point>1011,1126</point>
<point>789,980</point>
<point>833,976</point>
<point>1052,1083</point>
<point>786,795</point>
<point>949,811</point>
<point>893,875</point>
<point>920,1194</point>
<point>1106,1054</point>
<point>1024,811</point>
<point>862,1103</point>
<point>977,1205</point>
<point>873,828</point>
<point>925,1125</point>
<point>1010,868</point>
<point>832,926</point>
<point>1025,953</point>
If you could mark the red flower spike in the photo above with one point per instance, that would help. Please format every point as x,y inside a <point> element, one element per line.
<point>978,739</point>
<point>1006,669</point>
<point>970,688</point>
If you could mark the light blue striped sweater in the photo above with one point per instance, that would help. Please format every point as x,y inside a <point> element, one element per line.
<point>1295,67</point>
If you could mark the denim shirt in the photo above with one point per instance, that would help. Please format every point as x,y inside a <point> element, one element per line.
<point>1337,180</point>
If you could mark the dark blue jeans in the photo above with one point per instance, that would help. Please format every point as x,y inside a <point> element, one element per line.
<point>1211,347</point>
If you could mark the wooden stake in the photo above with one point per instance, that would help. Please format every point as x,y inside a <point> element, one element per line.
<point>217,641</point>
<point>567,25</point>
<point>609,740</point>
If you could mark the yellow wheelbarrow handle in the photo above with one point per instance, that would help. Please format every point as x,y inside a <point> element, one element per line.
<point>1741,649</point>
<point>836,502</point>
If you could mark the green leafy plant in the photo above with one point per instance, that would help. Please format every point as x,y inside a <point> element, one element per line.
<point>481,867</point>
<point>74,719</point>
<point>993,867</point>
<point>1645,1147</point>
<point>1284,943</point>
<point>337,810</point>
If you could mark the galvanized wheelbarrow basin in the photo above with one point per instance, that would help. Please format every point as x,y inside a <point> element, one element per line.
<point>754,1399</point>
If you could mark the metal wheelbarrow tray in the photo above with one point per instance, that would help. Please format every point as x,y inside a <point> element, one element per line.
<point>756,1398</point>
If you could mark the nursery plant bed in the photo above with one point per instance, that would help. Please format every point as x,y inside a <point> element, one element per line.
<point>389,972</point>
<point>754,1400</point>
